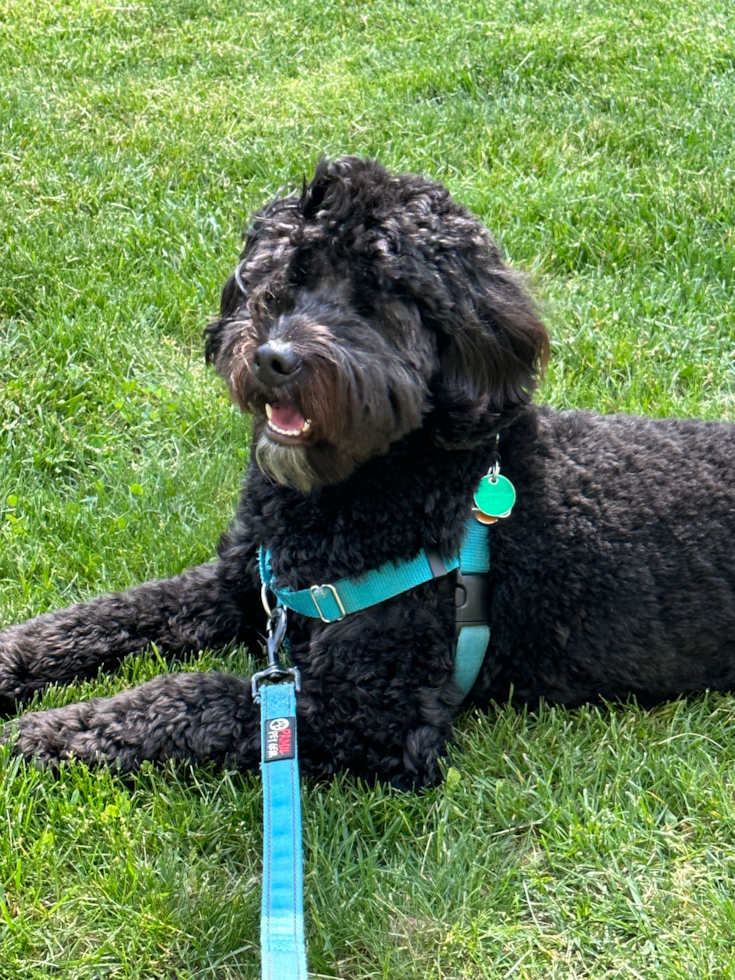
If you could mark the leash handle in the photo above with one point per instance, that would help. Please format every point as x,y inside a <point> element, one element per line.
<point>282,940</point>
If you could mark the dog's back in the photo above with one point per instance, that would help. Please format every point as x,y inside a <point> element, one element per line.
<point>616,571</point>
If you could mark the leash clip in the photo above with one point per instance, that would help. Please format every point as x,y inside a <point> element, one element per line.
<point>276,632</point>
<point>275,672</point>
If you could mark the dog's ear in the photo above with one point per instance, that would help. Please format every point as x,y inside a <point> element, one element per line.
<point>232,297</point>
<point>492,343</point>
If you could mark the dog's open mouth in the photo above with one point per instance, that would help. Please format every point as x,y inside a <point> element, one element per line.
<point>286,424</point>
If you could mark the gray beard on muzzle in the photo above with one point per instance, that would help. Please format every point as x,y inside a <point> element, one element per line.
<point>286,465</point>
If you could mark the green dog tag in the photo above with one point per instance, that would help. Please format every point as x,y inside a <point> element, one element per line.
<point>495,496</point>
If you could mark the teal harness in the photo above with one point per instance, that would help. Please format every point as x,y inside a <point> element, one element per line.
<point>334,601</point>
<point>282,940</point>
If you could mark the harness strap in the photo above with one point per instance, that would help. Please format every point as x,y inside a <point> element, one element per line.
<point>474,552</point>
<point>333,602</point>
<point>469,654</point>
<point>471,616</point>
<point>282,943</point>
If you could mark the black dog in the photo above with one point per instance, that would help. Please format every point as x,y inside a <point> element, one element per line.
<point>382,347</point>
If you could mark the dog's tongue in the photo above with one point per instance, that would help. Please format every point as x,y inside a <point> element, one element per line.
<point>287,417</point>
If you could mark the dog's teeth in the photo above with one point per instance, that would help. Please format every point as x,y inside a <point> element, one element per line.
<point>288,432</point>
<point>285,432</point>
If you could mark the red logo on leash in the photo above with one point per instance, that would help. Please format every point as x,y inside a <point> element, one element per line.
<point>279,739</point>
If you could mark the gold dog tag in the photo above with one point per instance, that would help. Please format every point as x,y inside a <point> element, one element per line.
<point>483,518</point>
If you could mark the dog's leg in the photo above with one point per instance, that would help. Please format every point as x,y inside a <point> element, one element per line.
<point>190,612</point>
<point>379,709</point>
<point>209,717</point>
<point>197,717</point>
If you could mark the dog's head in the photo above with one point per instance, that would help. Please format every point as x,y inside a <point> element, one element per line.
<point>363,308</point>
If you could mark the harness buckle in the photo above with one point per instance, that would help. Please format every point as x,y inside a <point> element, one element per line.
<point>471,601</point>
<point>343,612</point>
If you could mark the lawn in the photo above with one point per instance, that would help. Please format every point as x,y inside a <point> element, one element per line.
<point>597,140</point>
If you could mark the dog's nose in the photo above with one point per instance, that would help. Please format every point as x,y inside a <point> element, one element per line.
<point>275,363</point>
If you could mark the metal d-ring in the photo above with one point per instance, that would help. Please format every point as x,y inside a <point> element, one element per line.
<point>264,590</point>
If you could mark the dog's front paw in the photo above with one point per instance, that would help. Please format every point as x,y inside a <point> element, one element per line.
<point>193,717</point>
<point>50,737</point>
<point>15,686</point>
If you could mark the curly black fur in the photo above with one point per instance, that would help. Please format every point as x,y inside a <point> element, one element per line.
<point>379,311</point>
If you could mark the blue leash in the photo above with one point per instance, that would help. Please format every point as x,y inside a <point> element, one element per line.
<point>282,942</point>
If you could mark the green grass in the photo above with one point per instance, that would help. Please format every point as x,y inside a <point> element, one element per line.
<point>596,139</point>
